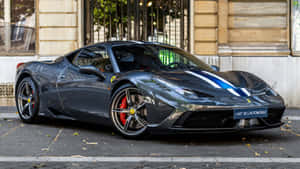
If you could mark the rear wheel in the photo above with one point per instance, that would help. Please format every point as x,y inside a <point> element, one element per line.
<point>128,112</point>
<point>27,100</point>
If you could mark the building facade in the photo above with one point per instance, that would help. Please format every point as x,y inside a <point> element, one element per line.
<point>259,36</point>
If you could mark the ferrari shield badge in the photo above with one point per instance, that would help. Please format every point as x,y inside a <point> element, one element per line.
<point>248,100</point>
<point>113,78</point>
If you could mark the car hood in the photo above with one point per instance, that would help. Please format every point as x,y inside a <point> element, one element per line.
<point>215,83</point>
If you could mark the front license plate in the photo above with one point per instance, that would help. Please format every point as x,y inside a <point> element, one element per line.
<point>250,113</point>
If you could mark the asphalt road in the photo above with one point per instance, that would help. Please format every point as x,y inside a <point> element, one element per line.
<point>75,143</point>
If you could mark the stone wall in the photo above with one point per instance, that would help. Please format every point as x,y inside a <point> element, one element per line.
<point>241,27</point>
<point>205,27</point>
<point>58,26</point>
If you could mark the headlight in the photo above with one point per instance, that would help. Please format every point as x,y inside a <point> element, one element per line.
<point>271,92</point>
<point>266,91</point>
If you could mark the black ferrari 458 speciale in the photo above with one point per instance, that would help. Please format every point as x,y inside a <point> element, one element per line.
<point>143,87</point>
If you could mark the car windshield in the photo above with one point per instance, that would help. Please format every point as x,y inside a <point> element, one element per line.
<point>155,57</point>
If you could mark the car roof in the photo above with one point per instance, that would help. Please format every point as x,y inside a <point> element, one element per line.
<point>120,43</point>
<point>124,43</point>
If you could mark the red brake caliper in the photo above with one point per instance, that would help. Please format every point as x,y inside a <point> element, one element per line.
<point>123,106</point>
<point>32,104</point>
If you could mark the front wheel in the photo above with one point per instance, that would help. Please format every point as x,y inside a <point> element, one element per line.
<point>128,112</point>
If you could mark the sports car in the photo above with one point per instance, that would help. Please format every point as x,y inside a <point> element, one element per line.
<point>141,88</point>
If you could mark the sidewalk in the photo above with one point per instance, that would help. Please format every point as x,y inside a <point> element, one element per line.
<point>7,101</point>
<point>8,109</point>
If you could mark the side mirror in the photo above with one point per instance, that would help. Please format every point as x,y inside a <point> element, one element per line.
<point>91,70</point>
<point>215,68</point>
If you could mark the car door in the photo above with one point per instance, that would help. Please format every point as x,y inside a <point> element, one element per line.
<point>84,96</point>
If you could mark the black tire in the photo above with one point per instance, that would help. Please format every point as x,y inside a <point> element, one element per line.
<point>27,100</point>
<point>135,126</point>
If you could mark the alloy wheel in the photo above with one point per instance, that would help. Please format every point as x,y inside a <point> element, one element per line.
<point>129,112</point>
<point>26,99</point>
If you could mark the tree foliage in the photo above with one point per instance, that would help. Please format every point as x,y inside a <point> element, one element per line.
<point>113,13</point>
<point>104,10</point>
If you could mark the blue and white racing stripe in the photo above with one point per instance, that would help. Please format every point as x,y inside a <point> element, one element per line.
<point>214,84</point>
<point>219,82</point>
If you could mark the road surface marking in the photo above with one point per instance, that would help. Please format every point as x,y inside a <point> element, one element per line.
<point>11,130</point>
<point>54,140</point>
<point>293,118</point>
<point>150,159</point>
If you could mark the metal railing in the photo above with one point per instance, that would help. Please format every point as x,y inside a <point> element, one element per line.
<point>165,21</point>
<point>6,90</point>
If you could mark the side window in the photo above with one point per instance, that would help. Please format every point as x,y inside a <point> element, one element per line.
<point>136,58</point>
<point>94,56</point>
<point>126,60</point>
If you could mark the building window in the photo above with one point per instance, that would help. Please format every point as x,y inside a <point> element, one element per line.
<point>1,24</point>
<point>296,27</point>
<point>17,27</point>
<point>1,11</point>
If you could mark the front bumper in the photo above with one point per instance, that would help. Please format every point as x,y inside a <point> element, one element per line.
<point>216,120</point>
